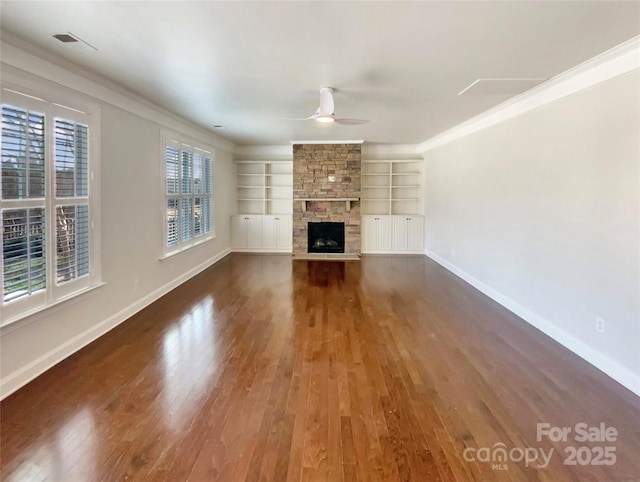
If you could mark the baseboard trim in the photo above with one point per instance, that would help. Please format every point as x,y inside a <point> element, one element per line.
<point>613,369</point>
<point>29,372</point>
<point>262,250</point>
<point>392,252</point>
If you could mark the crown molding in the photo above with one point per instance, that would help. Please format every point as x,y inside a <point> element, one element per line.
<point>387,151</point>
<point>27,59</point>
<point>369,151</point>
<point>612,63</point>
<point>281,152</point>
<point>327,142</point>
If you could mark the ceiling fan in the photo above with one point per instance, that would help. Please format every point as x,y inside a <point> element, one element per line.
<point>325,112</point>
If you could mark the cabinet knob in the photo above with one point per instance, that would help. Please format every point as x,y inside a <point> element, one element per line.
<point>247,218</point>
<point>377,219</point>
<point>277,219</point>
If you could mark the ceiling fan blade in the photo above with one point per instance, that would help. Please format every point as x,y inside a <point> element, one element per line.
<point>325,110</point>
<point>311,117</point>
<point>350,122</point>
<point>326,102</point>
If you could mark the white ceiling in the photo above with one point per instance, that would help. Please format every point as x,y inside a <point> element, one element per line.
<point>246,65</point>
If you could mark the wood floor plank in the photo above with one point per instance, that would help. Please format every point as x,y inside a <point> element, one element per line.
<point>262,368</point>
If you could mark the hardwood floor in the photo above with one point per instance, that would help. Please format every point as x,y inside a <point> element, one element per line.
<point>264,368</point>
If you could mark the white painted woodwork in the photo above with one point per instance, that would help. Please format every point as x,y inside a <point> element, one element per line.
<point>415,234</point>
<point>392,234</point>
<point>261,233</point>
<point>276,232</point>
<point>264,187</point>
<point>376,233</point>
<point>246,231</point>
<point>407,233</point>
<point>392,186</point>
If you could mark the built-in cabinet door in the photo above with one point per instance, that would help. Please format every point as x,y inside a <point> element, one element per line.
<point>276,232</point>
<point>408,233</point>
<point>399,233</point>
<point>415,233</point>
<point>383,232</point>
<point>246,231</point>
<point>239,232</point>
<point>270,232</point>
<point>368,239</point>
<point>284,232</point>
<point>254,232</point>
<point>261,232</point>
<point>376,233</point>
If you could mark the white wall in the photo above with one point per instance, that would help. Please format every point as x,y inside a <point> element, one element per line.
<point>543,212</point>
<point>131,237</point>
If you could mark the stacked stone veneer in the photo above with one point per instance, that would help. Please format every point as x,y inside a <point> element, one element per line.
<point>312,166</point>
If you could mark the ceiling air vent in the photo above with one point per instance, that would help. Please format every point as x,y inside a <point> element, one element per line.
<point>73,41</point>
<point>65,38</point>
<point>504,86</point>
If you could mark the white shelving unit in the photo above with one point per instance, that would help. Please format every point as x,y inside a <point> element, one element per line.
<point>250,187</point>
<point>264,206</point>
<point>392,187</point>
<point>392,220</point>
<point>264,187</point>
<point>278,180</point>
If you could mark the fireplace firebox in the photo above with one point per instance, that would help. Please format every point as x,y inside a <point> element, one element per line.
<point>326,238</point>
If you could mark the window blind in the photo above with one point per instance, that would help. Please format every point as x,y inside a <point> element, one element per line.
<point>23,252</point>
<point>72,242</point>
<point>71,159</point>
<point>189,194</point>
<point>72,220</point>
<point>44,206</point>
<point>23,178</point>
<point>22,154</point>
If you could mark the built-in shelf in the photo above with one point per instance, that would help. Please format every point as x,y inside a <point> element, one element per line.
<point>264,187</point>
<point>391,187</point>
<point>346,200</point>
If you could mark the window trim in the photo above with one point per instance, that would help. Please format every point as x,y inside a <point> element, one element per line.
<point>47,98</point>
<point>169,137</point>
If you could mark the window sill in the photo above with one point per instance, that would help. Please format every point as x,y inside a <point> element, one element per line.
<point>171,254</point>
<point>37,313</point>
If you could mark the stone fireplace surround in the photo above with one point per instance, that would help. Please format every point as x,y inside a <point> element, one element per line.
<point>326,171</point>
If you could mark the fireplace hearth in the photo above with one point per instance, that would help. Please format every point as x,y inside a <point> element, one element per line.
<point>325,237</point>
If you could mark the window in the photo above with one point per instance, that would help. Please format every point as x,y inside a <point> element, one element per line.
<point>45,204</point>
<point>188,195</point>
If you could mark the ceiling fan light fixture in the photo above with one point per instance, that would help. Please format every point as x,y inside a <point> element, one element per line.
<point>325,119</point>
<point>326,114</point>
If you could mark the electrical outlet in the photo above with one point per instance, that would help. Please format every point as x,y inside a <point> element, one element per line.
<point>599,325</point>
<point>453,253</point>
<point>136,284</point>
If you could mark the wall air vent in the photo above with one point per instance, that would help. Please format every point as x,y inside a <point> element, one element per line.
<point>73,41</point>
